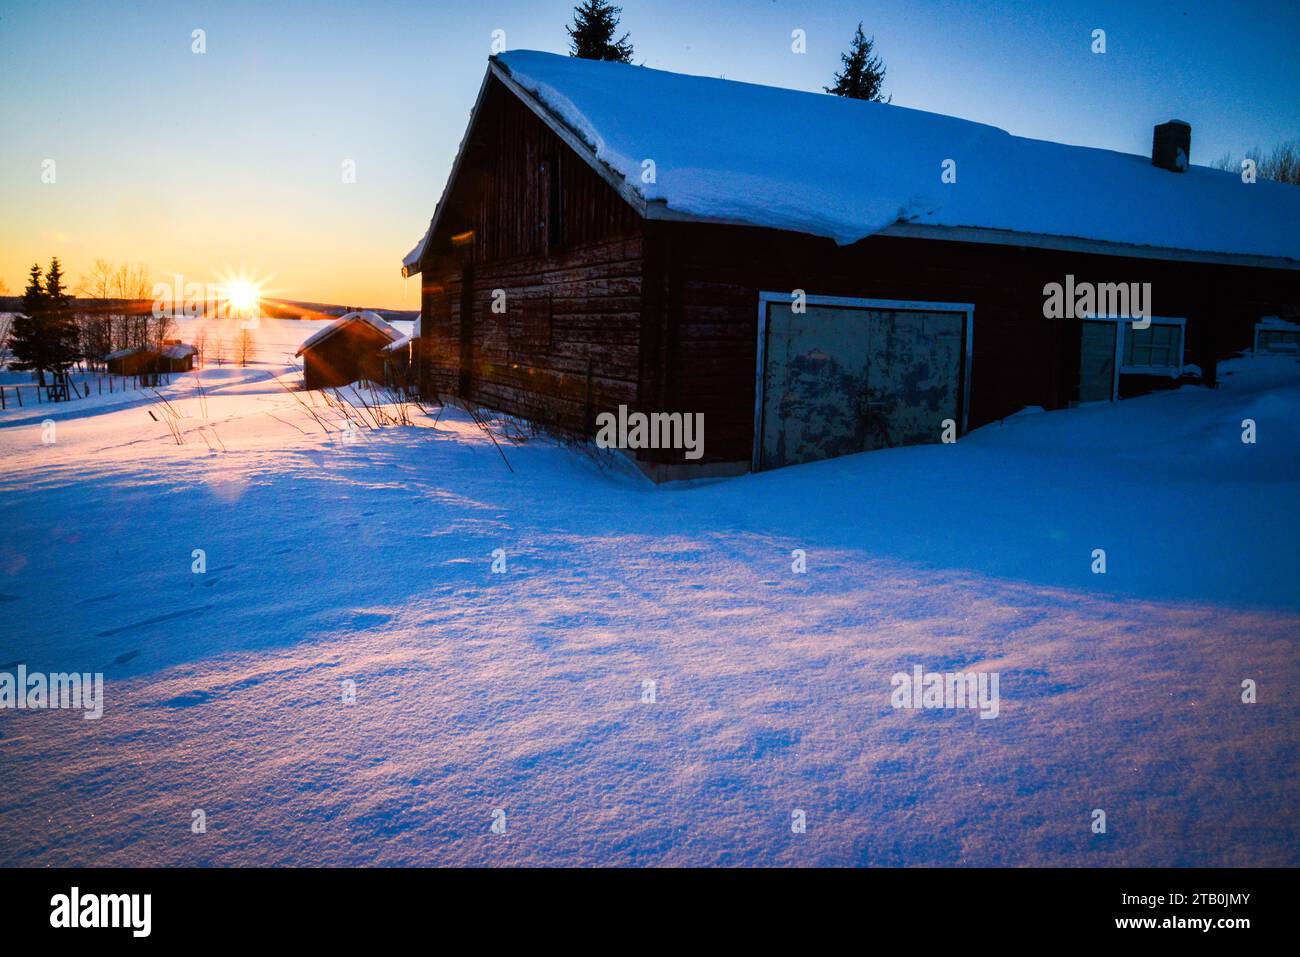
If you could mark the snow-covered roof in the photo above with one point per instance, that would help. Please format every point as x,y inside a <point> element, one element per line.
<point>397,344</point>
<point>725,151</point>
<point>123,353</point>
<point>411,262</point>
<point>179,350</point>
<point>371,318</point>
<point>405,340</point>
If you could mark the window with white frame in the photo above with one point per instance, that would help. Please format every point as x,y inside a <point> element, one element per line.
<point>1276,335</point>
<point>1155,350</point>
<point>1111,347</point>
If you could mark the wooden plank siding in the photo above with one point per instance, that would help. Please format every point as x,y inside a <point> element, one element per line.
<point>567,345</point>
<point>538,226</point>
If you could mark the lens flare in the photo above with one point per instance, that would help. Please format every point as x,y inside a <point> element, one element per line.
<point>243,295</point>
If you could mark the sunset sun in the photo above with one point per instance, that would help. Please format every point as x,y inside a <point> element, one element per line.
<point>242,295</point>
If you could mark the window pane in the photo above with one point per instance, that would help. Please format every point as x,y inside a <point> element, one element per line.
<point>1156,347</point>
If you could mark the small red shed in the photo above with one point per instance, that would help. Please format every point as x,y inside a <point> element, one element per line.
<point>134,361</point>
<point>346,351</point>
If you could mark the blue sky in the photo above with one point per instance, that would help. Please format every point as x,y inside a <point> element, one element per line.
<point>231,160</point>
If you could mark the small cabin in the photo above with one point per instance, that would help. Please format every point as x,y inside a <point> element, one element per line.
<point>176,356</point>
<point>131,362</point>
<point>347,350</point>
<point>172,356</point>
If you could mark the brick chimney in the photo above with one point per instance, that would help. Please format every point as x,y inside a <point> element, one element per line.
<point>1171,146</point>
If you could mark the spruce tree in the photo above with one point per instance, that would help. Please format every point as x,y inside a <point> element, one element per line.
<point>44,334</point>
<point>592,34</point>
<point>863,72</point>
<point>62,320</point>
<point>57,300</point>
<point>27,339</point>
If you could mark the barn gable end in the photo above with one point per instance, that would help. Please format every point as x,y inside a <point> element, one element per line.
<point>532,279</point>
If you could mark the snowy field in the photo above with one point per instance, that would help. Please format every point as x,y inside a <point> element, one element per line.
<point>274,342</point>
<point>369,560</point>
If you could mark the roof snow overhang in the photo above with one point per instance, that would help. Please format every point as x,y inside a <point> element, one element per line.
<point>1074,244</point>
<point>658,209</point>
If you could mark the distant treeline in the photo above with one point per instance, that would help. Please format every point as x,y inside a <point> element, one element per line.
<point>126,307</point>
<point>270,308</point>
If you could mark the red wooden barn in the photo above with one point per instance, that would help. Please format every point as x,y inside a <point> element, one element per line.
<point>347,350</point>
<point>819,276</point>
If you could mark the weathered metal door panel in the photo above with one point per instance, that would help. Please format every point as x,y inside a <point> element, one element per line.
<point>839,380</point>
<point>816,367</point>
<point>913,375</point>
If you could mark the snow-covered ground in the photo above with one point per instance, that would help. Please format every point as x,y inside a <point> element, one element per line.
<point>274,342</point>
<point>368,559</point>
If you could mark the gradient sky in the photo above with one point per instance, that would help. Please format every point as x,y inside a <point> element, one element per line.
<point>230,161</point>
